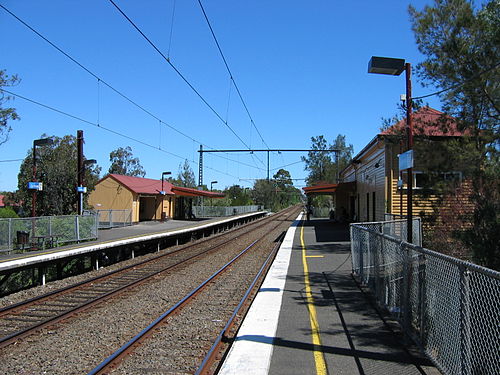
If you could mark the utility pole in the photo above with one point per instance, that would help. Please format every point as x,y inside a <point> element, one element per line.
<point>80,171</point>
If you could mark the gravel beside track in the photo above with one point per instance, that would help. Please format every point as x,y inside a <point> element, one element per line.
<point>78,345</point>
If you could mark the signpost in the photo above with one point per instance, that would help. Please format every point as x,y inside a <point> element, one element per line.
<point>406,160</point>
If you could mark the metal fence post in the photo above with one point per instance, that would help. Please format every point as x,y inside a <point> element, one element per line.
<point>405,304</point>
<point>77,228</point>
<point>465,344</point>
<point>10,240</point>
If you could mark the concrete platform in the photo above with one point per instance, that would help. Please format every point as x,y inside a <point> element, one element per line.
<point>310,317</point>
<point>109,238</point>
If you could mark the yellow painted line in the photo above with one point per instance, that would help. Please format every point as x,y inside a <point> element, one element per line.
<point>314,256</point>
<point>319,358</point>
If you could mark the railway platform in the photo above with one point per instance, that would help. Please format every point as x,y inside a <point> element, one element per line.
<point>150,235</point>
<point>310,316</point>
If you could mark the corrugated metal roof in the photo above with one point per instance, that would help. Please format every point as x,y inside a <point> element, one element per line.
<point>189,192</point>
<point>325,189</point>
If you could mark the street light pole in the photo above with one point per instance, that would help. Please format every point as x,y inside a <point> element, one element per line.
<point>392,66</point>
<point>163,193</point>
<point>409,132</point>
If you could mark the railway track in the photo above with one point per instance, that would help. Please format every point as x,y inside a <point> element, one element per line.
<point>220,300</point>
<point>25,318</point>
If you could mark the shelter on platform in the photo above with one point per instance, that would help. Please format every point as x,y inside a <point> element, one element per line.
<point>148,199</point>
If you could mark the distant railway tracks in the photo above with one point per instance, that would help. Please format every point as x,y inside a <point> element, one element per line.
<point>211,304</point>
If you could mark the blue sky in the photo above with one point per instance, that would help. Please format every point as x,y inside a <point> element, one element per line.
<point>300,66</point>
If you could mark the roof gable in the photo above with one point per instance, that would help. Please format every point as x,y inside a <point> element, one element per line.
<point>428,121</point>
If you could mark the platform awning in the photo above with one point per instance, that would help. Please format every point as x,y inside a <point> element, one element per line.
<point>324,189</point>
<point>190,192</point>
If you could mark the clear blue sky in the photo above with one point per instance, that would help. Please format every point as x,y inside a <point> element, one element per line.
<point>300,66</point>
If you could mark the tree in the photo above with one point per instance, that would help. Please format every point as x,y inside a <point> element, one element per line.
<point>123,162</point>
<point>58,174</point>
<point>462,59</point>
<point>6,114</point>
<point>322,166</point>
<point>186,175</point>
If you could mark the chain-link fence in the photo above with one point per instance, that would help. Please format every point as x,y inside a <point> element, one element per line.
<point>451,308</point>
<point>45,231</point>
<point>113,218</point>
<point>220,211</point>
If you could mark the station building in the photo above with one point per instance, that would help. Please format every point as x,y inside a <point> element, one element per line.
<point>148,199</point>
<point>369,185</point>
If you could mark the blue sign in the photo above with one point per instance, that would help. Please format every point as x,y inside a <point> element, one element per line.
<point>35,186</point>
<point>81,189</point>
<point>406,160</point>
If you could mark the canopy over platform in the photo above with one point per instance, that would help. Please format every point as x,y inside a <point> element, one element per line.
<point>329,189</point>
<point>322,189</point>
<point>189,192</point>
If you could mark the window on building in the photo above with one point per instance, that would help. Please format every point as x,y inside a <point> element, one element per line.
<point>374,205</point>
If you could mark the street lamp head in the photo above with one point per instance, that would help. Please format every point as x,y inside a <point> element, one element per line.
<point>43,142</point>
<point>90,162</point>
<point>166,173</point>
<point>214,182</point>
<point>386,65</point>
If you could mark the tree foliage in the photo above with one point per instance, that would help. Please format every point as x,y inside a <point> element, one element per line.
<point>460,44</point>
<point>185,176</point>
<point>277,193</point>
<point>56,168</point>
<point>325,166</point>
<point>123,162</point>
<point>8,113</point>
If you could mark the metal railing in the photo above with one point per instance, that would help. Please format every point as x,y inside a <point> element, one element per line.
<point>45,231</point>
<point>448,306</point>
<point>220,211</point>
<point>114,218</point>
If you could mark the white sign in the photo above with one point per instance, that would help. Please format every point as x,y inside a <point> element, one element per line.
<point>406,160</point>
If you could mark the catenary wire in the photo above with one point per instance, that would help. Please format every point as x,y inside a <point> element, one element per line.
<point>100,126</point>
<point>230,73</point>
<point>100,80</point>
<point>177,71</point>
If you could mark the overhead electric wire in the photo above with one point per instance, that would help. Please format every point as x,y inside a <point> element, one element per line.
<point>459,83</point>
<point>230,73</point>
<point>178,72</point>
<point>106,129</point>
<point>100,80</point>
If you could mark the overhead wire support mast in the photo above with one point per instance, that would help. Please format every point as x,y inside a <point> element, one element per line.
<point>268,150</point>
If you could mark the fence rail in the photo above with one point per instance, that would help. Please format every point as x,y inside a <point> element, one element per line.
<point>45,231</point>
<point>220,211</point>
<point>448,306</point>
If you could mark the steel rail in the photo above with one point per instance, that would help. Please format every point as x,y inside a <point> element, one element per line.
<point>223,337</point>
<point>12,308</point>
<point>114,358</point>
<point>9,339</point>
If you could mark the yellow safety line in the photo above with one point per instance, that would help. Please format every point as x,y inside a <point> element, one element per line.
<point>314,256</point>
<point>319,357</point>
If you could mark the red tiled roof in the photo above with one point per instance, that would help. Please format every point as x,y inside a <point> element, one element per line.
<point>2,204</point>
<point>142,185</point>
<point>430,122</point>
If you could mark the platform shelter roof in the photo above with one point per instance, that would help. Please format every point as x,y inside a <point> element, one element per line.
<point>320,189</point>
<point>190,192</point>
